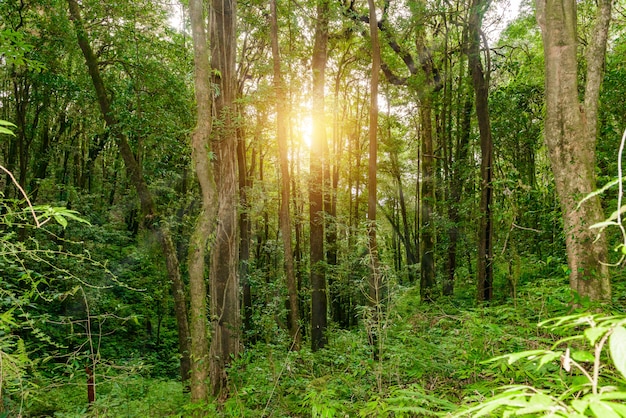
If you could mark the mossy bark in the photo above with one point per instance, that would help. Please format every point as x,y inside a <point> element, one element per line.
<point>570,134</point>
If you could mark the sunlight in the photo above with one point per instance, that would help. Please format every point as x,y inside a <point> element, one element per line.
<point>305,128</point>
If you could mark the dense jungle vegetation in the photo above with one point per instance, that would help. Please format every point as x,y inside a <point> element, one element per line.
<point>382,208</point>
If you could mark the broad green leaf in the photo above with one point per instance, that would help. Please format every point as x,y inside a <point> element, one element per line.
<point>617,346</point>
<point>537,403</point>
<point>593,334</point>
<point>612,395</point>
<point>580,405</point>
<point>584,356</point>
<point>602,410</point>
<point>549,357</point>
<point>618,408</point>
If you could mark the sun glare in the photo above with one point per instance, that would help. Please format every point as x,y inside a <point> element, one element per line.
<point>305,125</point>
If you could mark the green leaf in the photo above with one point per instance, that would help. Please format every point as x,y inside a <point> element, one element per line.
<point>512,358</point>
<point>6,131</point>
<point>549,357</point>
<point>617,347</point>
<point>593,334</point>
<point>537,403</point>
<point>604,224</point>
<point>618,408</point>
<point>597,192</point>
<point>580,405</point>
<point>584,356</point>
<point>61,220</point>
<point>602,410</point>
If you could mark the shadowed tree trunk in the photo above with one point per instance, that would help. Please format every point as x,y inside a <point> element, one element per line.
<point>484,266</point>
<point>427,277</point>
<point>148,207</point>
<point>245,230</point>
<point>285,217</point>
<point>224,281</point>
<point>570,134</point>
<point>456,188</point>
<point>316,200</point>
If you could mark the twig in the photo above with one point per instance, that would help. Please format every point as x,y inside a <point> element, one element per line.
<point>30,205</point>
<point>525,228</point>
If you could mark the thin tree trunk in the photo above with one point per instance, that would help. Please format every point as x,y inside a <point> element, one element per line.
<point>372,200</point>
<point>245,231</point>
<point>456,192</point>
<point>427,241</point>
<point>481,90</point>
<point>148,207</point>
<point>285,217</point>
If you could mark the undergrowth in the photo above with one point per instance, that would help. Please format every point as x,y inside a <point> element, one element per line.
<point>433,359</point>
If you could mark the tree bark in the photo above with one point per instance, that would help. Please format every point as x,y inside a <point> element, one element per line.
<point>372,200</point>
<point>148,207</point>
<point>570,134</point>
<point>205,223</point>
<point>282,115</point>
<point>456,192</point>
<point>484,269</point>
<point>427,241</point>
<point>245,232</point>
<point>316,200</point>
<point>224,281</point>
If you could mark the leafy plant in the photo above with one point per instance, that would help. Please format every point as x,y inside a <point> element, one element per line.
<point>591,387</point>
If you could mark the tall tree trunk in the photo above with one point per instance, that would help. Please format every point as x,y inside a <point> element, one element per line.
<point>427,231</point>
<point>456,192</point>
<point>282,116</point>
<point>224,281</point>
<point>245,231</point>
<point>148,207</point>
<point>372,187</point>
<point>316,200</point>
<point>427,241</point>
<point>405,234</point>
<point>570,134</point>
<point>205,224</point>
<point>484,268</point>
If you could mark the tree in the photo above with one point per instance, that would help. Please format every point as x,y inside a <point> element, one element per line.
<point>316,201</point>
<point>151,217</point>
<point>284,215</point>
<point>372,200</point>
<point>570,135</point>
<point>480,80</point>
<point>224,280</point>
<point>205,223</point>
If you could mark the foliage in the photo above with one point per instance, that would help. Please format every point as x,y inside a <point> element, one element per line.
<point>89,286</point>
<point>586,386</point>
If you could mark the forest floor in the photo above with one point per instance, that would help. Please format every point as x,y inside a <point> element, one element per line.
<point>432,358</point>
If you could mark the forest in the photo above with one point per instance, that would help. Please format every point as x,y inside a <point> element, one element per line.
<point>288,208</point>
